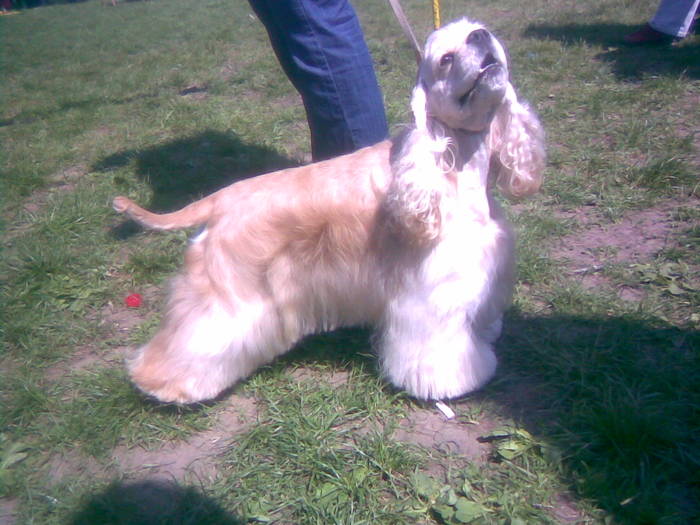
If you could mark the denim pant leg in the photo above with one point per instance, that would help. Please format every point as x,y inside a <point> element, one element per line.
<point>674,17</point>
<point>321,48</point>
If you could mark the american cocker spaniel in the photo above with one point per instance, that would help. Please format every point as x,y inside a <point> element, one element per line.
<point>404,235</point>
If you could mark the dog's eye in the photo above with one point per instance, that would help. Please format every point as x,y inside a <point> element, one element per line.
<point>447,59</point>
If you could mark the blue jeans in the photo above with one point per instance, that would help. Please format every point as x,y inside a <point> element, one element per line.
<point>674,17</point>
<point>321,48</point>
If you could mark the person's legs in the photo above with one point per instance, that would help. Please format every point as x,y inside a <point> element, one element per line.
<point>322,50</point>
<point>674,17</point>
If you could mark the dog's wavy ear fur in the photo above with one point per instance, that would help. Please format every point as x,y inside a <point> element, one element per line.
<point>418,184</point>
<point>413,198</point>
<point>516,141</point>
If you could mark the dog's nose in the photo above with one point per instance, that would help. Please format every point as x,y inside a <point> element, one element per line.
<point>478,36</point>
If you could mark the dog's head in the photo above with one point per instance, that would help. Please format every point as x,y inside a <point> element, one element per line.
<point>463,77</point>
<point>463,84</point>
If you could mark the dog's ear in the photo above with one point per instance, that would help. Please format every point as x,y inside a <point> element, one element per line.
<point>516,140</point>
<point>413,199</point>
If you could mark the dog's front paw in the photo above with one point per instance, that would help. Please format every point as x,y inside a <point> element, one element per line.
<point>442,373</point>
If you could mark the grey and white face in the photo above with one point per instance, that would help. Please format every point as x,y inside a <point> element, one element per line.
<point>464,74</point>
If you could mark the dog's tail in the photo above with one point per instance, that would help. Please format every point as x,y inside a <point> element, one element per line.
<point>192,215</point>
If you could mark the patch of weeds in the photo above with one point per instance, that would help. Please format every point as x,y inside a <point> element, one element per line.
<point>493,492</point>
<point>98,409</point>
<point>671,288</point>
<point>513,442</point>
<point>691,242</point>
<point>155,257</point>
<point>688,247</point>
<point>672,277</point>
<point>11,454</point>
<point>23,397</point>
<point>323,452</point>
<point>662,174</point>
<point>533,229</point>
<point>446,503</point>
<point>686,213</point>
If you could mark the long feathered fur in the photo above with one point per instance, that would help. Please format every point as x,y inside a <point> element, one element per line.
<point>403,235</point>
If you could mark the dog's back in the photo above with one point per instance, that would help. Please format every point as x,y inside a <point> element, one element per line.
<point>326,181</point>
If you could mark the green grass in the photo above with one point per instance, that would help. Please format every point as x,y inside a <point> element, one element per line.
<point>594,415</point>
<point>327,441</point>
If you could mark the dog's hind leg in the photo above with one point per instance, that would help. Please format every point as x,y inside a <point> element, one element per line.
<point>203,347</point>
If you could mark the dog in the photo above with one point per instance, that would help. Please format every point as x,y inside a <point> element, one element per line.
<point>404,236</point>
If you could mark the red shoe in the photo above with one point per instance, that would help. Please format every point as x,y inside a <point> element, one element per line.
<point>647,35</point>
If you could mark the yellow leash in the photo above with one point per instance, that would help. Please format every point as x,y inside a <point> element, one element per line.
<point>436,14</point>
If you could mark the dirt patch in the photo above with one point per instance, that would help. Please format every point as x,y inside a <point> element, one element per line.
<point>60,182</point>
<point>115,320</point>
<point>72,463</point>
<point>334,378</point>
<point>83,358</point>
<point>8,511</point>
<point>196,457</point>
<point>432,430</point>
<point>638,237</point>
<point>565,510</point>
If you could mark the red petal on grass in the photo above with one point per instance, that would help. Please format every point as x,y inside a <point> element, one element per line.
<point>134,300</point>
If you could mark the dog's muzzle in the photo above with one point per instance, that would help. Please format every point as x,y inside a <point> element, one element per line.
<point>492,74</point>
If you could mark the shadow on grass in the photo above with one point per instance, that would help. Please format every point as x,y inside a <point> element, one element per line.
<point>340,347</point>
<point>618,398</point>
<point>184,170</point>
<point>628,62</point>
<point>151,502</point>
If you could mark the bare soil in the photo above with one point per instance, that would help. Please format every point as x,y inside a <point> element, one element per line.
<point>195,458</point>
<point>639,237</point>
<point>428,428</point>
<point>8,511</point>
